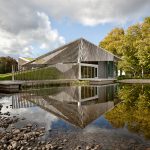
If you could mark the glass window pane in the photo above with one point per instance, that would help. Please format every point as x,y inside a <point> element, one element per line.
<point>88,72</point>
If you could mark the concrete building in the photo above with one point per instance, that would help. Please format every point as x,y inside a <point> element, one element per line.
<point>79,59</point>
<point>22,61</point>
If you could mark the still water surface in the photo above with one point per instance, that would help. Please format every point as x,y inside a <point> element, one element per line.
<point>114,111</point>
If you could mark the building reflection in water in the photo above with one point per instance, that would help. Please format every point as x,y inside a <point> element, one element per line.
<point>79,105</point>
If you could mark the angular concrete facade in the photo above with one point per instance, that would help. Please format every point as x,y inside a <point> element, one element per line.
<point>79,59</point>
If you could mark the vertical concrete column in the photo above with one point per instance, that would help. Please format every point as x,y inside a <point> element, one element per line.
<point>13,73</point>
<point>79,73</point>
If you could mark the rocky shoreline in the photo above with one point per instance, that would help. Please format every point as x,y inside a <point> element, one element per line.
<point>29,137</point>
<point>34,137</point>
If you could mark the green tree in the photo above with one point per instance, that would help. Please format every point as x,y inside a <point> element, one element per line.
<point>6,64</point>
<point>130,63</point>
<point>143,46</point>
<point>113,41</point>
<point>132,45</point>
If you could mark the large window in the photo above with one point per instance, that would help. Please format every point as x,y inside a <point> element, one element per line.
<point>110,69</point>
<point>88,92</point>
<point>88,72</point>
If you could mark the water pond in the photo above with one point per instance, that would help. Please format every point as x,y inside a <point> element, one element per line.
<point>116,116</point>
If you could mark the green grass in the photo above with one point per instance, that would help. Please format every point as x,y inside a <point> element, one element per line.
<point>6,76</point>
<point>80,83</point>
<point>38,74</point>
<point>48,73</point>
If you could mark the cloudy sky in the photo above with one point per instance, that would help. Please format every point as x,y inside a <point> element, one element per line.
<point>29,28</point>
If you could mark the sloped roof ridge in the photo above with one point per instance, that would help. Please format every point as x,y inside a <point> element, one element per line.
<point>53,51</point>
<point>24,58</point>
<point>81,39</point>
<point>100,48</point>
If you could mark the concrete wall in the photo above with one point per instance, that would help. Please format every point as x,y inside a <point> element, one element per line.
<point>106,69</point>
<point>73,70</point>
<point>68,71</point>
<point>102,69</point>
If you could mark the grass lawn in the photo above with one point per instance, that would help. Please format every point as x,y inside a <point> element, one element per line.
<point>7,76</point>
<point>48,73</point>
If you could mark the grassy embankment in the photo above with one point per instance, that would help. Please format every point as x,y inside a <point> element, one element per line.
<point>7,76</point>
<point>40,74</point>
<point>37,74</point>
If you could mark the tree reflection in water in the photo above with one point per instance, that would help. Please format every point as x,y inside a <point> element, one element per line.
<point>134,110</point>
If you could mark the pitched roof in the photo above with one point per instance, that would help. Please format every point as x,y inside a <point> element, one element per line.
<point>26,59</point>
<point>79,50</point>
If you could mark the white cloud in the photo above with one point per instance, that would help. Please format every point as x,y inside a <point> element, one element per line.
<point>24,32</point>
<point>25,26</point>
<point>93,12</point>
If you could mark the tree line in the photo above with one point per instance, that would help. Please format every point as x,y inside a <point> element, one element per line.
<point>6,64</point>
<point>132,46</point>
